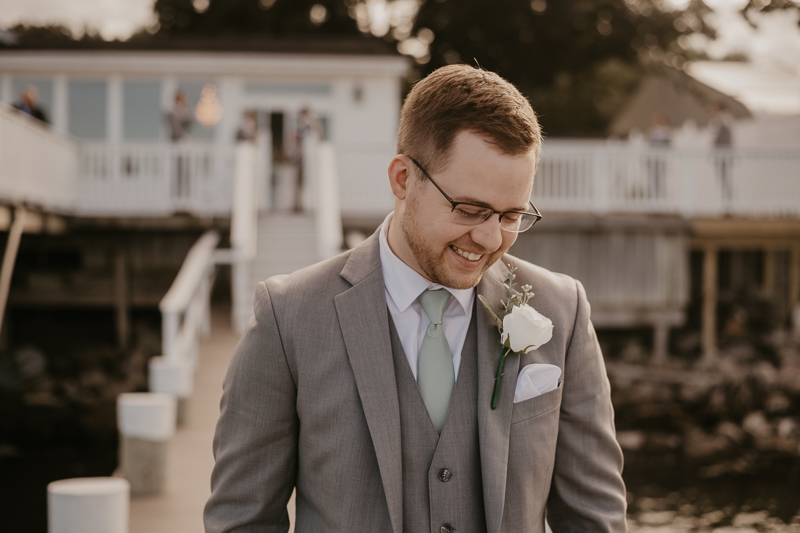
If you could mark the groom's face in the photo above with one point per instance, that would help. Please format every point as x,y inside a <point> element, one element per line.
<point>436,245</point>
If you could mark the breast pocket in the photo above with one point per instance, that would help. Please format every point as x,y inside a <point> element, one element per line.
<point>536,406</point>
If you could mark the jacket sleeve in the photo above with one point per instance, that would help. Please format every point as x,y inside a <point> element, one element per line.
<point>587,493</point>
<point>255,444</point>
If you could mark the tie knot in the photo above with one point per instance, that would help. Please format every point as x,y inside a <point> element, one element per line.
<point>434,303</point>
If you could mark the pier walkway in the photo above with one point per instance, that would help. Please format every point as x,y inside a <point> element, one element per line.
<point>180,508</point>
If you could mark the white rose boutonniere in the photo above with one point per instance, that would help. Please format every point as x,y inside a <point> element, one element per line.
<point>525,329</point>
<point>521,327</point>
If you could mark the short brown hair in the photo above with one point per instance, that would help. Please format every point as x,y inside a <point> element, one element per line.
<point>456,98</point>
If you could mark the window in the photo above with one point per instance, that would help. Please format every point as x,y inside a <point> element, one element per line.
<point>87,109</point>
<point>142,118</point>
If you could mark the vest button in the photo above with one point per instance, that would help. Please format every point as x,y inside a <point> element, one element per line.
<point>444,475</point>
<point>447,528</point>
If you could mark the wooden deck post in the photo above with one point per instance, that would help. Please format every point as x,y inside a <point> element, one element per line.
<point>794,287</point>
<point>660,342</point>
<point>709,321</point>
<point>769,271</point>
<point>121,298</point>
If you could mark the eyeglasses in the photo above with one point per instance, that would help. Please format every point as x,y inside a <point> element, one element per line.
<point>468,214</point>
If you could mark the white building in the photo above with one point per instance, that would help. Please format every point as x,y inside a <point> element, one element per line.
<point>114,102</point>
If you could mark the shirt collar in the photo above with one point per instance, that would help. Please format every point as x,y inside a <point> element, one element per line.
<point>404,284</point>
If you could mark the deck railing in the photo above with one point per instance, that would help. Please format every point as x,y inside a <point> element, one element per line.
<point>185,307</point>
<point>151,179</point>
<point>38,166</point>
<point>600,178</point>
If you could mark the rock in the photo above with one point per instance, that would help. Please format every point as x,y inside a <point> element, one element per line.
<point>789,378</point>
<point>765,374</point>
<point>711,518</point>
<point>750,519</point>
<point>631,440</point>
<point>731,431</point>
<point>757,426</point>
<point>787,427</point>
<point>698,444</point>
<point>777,402</point>
<point>661,441</point>
<point>694,392</point>
<point>634,352</point>
<point>31,362</point>
<point>656,518</point>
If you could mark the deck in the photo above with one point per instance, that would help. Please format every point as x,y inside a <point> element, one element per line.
<point>180,508</point>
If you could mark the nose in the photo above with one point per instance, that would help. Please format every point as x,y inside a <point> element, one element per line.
<point>488,233</point>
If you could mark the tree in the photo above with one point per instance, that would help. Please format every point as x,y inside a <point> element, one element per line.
<point>217,18</point>
<point>574,59</point>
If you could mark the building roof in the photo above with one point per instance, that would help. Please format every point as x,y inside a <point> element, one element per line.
<point>338,45</point>
<point>764,89</point>
<point>677,96</point>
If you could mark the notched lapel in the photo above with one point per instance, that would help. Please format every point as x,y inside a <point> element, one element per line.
<point>494,426</point>
<point>364,321</point>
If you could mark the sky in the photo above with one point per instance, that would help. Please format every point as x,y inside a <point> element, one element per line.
<point>776,39</point>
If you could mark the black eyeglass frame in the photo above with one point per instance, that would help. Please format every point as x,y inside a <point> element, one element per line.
<point>537,216</point>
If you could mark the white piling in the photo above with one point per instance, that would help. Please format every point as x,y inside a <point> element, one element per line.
<point>146,423</point>
<point>173,377</point>
<point>88,505</point>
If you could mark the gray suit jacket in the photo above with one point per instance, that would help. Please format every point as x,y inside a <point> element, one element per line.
<point>310,400</point>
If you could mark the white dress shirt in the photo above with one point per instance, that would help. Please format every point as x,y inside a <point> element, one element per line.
<point>403,286</point>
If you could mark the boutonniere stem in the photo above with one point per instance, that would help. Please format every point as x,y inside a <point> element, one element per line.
<point>501,364</point>
<point>521,327</point>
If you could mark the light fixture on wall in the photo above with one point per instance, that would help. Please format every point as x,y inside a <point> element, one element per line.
<point>208,111</point>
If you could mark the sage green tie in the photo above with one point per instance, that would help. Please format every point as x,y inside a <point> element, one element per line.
<point>435,375</point>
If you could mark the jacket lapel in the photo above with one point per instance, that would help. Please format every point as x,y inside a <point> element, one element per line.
<point>364,320</point>
<point>494,426</point>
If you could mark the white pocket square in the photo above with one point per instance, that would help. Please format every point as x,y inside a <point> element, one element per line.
<point>536,379</point>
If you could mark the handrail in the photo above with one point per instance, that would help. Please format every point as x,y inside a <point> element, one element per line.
<point>184,309</point>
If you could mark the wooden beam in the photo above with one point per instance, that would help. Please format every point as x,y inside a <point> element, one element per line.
<point>794,283</point>
<point>10,257</point>
<point>769,271</point>
<point>660,343</point>
<point>709,321</point>
<point>121,300</point>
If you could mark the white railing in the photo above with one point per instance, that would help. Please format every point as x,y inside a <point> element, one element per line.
<point>38,166</point>
<point>599,178</point>
<point>152,179</point>
<point>185,308</point>
<point>329,211</point>
<point>244,229</point>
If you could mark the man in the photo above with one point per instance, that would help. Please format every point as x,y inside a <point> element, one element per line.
<point>337,387</point>
<point>29,103</point>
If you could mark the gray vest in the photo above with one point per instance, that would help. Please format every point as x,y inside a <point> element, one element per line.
<point>442,483</point>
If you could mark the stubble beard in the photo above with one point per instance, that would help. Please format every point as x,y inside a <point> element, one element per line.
<point>432,262</point>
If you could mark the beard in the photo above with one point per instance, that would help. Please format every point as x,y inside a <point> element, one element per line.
<point>432,261</point>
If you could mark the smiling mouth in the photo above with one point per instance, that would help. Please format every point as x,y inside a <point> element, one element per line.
<point>467,255</point>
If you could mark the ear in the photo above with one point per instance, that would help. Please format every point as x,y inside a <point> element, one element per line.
<point>399,176</point>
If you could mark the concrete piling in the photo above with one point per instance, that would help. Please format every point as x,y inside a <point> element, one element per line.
<point>146,423</point>
<point>176,378</point>
<point>88,505</point>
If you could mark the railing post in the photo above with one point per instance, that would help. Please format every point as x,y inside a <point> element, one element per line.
<point>328,214</point>
<point>601,181</point>
<point>170,324</point>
